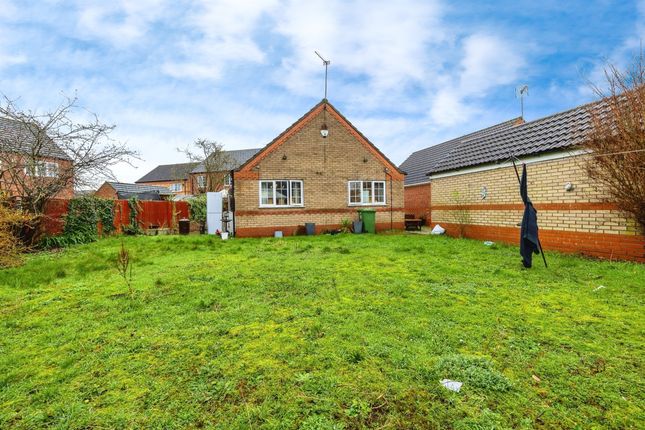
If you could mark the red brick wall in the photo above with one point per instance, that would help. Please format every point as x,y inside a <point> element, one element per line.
<point>418,201</point>
<point>12,189</point>
<point>603,245</point>
<point>106,191</point>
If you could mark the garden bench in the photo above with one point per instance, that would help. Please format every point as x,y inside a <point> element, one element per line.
<point>412,223</point>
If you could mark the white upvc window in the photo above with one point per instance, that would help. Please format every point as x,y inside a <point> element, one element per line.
<point>281,193</point>
<point>366,193</point>
<point>176,187</point>
<point>227,179</point>
<point>201,181</point>
<point>47,169</point>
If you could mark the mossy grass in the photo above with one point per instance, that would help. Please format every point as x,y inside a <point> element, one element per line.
<point>324,332</point>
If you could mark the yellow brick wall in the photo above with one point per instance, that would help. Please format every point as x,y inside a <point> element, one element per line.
<point>546,186</point>
<point>325,166</point>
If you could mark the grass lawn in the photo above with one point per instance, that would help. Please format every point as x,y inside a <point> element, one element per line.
<point>325,332</point>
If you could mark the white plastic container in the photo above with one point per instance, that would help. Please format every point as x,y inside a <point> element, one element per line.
<point>224,235</point>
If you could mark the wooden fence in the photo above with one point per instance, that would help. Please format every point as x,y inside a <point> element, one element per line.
<point>152,214</point>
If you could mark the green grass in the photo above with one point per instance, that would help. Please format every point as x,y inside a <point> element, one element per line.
<point>320,332</point>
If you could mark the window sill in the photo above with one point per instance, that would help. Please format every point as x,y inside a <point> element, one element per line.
<point>366,204</point>
<point>280,207</point>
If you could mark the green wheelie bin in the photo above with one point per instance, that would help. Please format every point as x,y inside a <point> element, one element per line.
<point>368,216</point>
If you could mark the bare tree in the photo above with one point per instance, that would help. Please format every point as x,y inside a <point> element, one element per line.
<point>47,155</point>
<point>214,164</point>
<point>617,138</point>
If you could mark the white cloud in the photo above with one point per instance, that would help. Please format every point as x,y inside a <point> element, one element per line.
<point>488,62</point>
<point>383,45</point>
<point>224,35</point>
<point>119,22</point>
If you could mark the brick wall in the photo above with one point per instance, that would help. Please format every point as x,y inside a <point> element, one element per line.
<point>418,199</point>
<point>106,191</point>
<point>580,220</point>
<point>325,166</point>
<point>12,188</point>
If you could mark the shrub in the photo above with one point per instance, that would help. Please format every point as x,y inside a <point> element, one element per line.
<point>11,220</point>
<point>617,139</point>
<point>198,209</point>
<point>81,222</point>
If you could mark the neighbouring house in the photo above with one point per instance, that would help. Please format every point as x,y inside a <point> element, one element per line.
<point>319,170</point>
<point>233,159</point>
<point>19,154</point>
<point>188,179</point>
<point>122,191</point>
<point>175,177</point>
<point>418,192</point>
<point>472,188</point>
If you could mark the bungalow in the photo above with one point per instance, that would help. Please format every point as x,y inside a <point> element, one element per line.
<point>468,186</point>
<point>320,170</point>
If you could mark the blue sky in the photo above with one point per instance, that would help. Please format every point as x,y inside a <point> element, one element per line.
<point>408,74</point>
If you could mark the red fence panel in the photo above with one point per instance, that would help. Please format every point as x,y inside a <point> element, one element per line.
<point>151,214</point>
<point>53,221</point>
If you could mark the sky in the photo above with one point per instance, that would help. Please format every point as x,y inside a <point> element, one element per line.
<point>409,74</point>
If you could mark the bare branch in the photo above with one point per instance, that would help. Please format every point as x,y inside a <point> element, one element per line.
<point>617,138</point>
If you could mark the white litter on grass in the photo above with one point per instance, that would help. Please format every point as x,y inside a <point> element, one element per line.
<point>599,287</point>
<point>451,385</point>
<point>438,230</point>
<point>489,243</point>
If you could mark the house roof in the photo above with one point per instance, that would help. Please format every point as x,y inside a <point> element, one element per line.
<point>121,187</point>
<point>168,172</point>
<point>555,132</point>
<point>419,163</point>
<point>296,126</point>
<point>234,159</point>
<point>17,137</point>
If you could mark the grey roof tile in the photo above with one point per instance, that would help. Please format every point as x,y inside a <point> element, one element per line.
<point>168,172</point>
<point>122,187</point>
<point>16,137</point>
<point>419,163</point>
<point>558,131</point>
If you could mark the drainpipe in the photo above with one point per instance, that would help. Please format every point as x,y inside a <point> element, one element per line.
<point>387,172</point>
<point>231,200</point>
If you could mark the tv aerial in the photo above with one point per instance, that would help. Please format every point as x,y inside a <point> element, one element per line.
<point>521,91</point>
<point>326,64</point>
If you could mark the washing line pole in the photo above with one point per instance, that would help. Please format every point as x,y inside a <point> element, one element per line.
<point>513,158</point>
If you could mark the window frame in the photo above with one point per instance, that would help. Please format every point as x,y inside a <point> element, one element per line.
<point>176,187</point>
<point>201,181</point>
<point>42,169</point>
<point>274,187</point>
<point>372,193</point>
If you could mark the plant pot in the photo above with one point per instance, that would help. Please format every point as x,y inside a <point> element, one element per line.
<point>224,235</point>
<point>358,227</point>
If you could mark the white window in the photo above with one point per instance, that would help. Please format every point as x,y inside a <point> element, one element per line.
<point>175,188</point>
<point>227,179</point>
<point>366,192</point>
<point>281,193</point>
<point>201,181</point>
<point>43,169</point>
<point>51,169</point>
